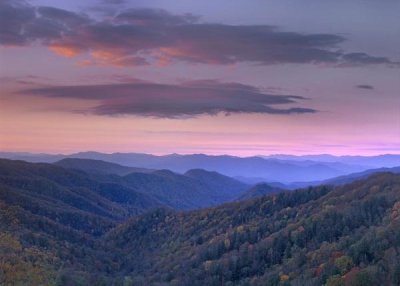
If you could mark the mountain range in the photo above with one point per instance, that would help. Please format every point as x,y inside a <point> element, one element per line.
<point>132,193</point>
<point>386,160</point>
<point>281,168</point>
<point>340,180</point>
<point>64,225</point>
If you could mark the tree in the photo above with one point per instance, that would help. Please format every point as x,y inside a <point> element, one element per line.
<point>344,264</point>
<point>335,280</point>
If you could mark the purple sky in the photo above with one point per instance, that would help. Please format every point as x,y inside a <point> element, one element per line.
<point>226,77</point>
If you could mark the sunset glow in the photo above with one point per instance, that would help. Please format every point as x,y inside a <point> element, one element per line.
<point>146,76</point>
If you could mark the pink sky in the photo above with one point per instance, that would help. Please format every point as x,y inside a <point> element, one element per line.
<point>163,81</point>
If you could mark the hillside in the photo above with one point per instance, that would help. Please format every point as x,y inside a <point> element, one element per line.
<point>345,179</point>
<point>186,191</point>
<point>223,186</point>
<point>321,235</point>
<point>98,166</point>
<point>51,217</point>
<point>28,182</point>
<point>345,235</point>
<point>260,190</point>
<point>133,193</point>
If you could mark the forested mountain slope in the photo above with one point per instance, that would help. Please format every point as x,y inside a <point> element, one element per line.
<point>51,218</point>
<point>38,187</point>
<point>98,166</point>
<point>345,235</point>
<point>195,189</point>
<point>134,192</point>
<point>260,190</point>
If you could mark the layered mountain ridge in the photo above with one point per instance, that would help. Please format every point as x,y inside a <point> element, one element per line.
<point>68,227</point>
<point>283,169</point>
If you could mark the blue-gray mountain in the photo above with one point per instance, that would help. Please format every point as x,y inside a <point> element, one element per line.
<point>283,169</point>
<point>131,193</point>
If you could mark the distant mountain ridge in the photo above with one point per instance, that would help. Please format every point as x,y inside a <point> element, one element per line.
<point>276,168</point>
<point>386,160</point>
<point>345,179</point>
<point>216,180</point>
<point>98,166</point>
<point>135,191</point>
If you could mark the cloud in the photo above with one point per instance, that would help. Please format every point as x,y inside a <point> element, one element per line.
<point>23,80</point>
<point>365,86</point>
<point>154,17</point>
<point>188,99</point>
<point>145,36</point>
<point>13,17</point>
<point>114,2</point>
<point>363,58</point>
<point>21,24</point>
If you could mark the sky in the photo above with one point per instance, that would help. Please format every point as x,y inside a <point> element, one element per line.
<point>218,77</point>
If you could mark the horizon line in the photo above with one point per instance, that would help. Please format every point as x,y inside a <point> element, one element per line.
<point>197,153</point>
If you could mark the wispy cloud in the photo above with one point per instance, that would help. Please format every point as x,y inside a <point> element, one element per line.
<point>188,99</point>
<point>365,86</point>
<point>144,36</point>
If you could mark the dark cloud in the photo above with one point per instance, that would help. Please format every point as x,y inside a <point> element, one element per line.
<point>188,99</point>
<point>113,2</point>
<point>224,44</point>
<point>13,18</point>
<point>365,86</point>
<point>21,24</point>
<point>363,58</point>
<point>154,17</point>
<point>143,36</point>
